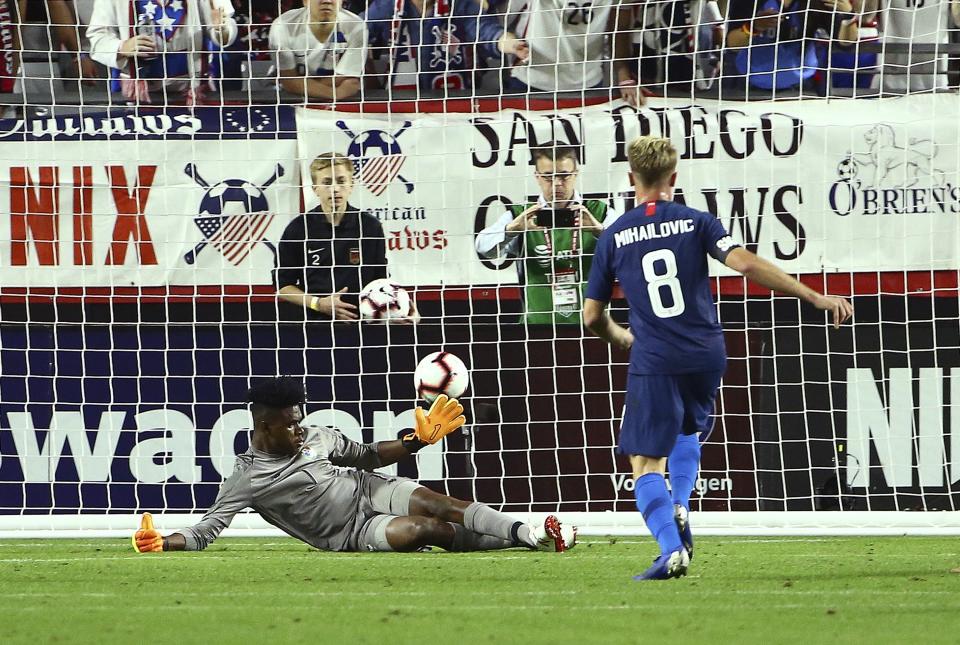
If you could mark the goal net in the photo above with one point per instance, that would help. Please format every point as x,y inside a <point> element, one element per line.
<point>149,213</point>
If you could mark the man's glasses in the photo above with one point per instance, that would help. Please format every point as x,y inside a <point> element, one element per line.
<point>557,176</point>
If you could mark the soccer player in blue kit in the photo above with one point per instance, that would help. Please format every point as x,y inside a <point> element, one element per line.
<point>658,252</point>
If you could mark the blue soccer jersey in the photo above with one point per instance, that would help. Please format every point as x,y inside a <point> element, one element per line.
<point>658,252</point>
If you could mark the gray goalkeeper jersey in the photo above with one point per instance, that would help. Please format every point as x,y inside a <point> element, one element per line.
<point>314,495</point>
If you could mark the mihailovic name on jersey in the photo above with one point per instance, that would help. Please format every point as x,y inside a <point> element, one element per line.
<point>652,231</point>
<point>658,253</point>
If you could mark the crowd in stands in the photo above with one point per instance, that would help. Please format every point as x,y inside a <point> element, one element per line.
<point>344,49</point>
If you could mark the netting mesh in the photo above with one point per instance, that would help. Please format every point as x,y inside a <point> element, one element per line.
<point>190,190</point>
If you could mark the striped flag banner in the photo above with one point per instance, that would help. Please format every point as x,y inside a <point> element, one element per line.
<point>376,173</point>
<point>238,234</point>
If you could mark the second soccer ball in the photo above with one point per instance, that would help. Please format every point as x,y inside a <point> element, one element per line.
<point>441,373</point>
<point>383,300</point>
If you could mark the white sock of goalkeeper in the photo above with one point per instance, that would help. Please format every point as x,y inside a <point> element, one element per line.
<point>466,540</point>
<point>480,518</point>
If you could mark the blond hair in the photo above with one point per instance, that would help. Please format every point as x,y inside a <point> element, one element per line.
<point>328,159</point>
<point>652,159</point>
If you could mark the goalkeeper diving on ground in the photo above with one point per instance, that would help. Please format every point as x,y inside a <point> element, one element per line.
<point>316,485</point>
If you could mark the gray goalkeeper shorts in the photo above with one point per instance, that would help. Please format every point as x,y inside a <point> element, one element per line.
<point>384,499</point>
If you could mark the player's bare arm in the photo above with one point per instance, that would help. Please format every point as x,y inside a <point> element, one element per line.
<point>598,320</point>
<point>318,88</point>
<point>332,305</point>
<point>765,273</point>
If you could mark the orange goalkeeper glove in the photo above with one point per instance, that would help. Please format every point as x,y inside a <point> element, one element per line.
<point>147,539</point>
<point>445,416</point>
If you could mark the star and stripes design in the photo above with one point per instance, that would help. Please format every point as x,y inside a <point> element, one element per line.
<point>234,216</point>
<point>235,236</point>
<point>167,15</point>
<point>163,19</point>
<point>376,173</point>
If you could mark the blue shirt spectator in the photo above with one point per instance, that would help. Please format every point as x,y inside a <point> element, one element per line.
<point>778,55</point>
<point>781,44</point>
<point>430,43</point>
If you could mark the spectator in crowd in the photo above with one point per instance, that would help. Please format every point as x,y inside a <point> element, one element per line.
<point>69,19</point>
<point>567,47</point>
<point>10,13</point>
<point>250,53</point>
<point>326,256</point>
<point>849,66</point>
<point>321,50</point>
<point>51,37</point>
<point>553,260</point>
<point>776,43</point>
<point>677,45</point>
<point>909,22</point>
<point>152,46</point>
<point>428,44</point>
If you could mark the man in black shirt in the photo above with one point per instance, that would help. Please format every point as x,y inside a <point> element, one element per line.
<point>328,255</point>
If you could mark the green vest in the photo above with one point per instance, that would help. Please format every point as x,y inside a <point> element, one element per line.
<point>543,264</point>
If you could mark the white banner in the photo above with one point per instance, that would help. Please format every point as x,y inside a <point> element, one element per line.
<point>201,197</point>
<point>865,185</point>
<point>146,200</point>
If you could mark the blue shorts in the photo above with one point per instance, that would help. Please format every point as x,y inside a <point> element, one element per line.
<point>661,406</point>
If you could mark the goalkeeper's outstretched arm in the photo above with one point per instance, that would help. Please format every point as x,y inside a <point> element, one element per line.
<point>234,496</point>
<point>196,538</point>
<point>444,416</point>
<point>148,540</point>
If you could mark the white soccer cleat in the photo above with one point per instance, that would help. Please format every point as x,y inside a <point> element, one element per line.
<point>668,565</point>
<point>682,519</point>
<point>552,535</point>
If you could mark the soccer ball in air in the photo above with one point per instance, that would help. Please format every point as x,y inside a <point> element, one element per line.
<point>441,373</point>
<point>383,300</point>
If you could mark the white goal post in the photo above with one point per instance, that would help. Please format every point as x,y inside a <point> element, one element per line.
<point>706,523</point>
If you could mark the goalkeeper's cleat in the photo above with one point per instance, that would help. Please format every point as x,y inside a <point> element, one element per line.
<point>682,517</point>
<point>553,535</point>
<point>668,565</point>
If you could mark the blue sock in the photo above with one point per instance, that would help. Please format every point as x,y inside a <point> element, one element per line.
<point>653,501</point>
<point>683,465</point>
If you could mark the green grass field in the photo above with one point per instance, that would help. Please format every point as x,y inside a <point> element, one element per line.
<point>776,590</point>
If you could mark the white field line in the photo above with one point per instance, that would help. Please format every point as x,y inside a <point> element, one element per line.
<point>115,543</point>
<point>112,542</point>
<point>241,556</point>
<point>495,608</point>
<point>681,589</point>
<point>646,605</point>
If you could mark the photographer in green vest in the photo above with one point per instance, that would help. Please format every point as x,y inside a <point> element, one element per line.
<point>552,239</point>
